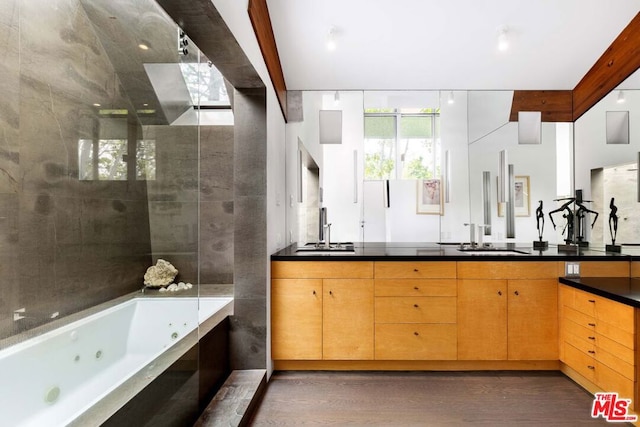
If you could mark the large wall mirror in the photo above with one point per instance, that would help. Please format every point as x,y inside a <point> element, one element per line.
<point>607,142</point>
<point>416,166</point>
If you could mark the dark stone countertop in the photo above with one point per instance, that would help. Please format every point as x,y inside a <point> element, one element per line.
<point>621,289</point>
<point>381,251</point>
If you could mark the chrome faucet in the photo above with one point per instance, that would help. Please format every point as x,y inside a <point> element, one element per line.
<point>322,225</point>
<point>327,240</point>
<point>472,234</point>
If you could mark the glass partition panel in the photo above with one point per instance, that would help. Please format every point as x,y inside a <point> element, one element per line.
<point>102,178</point>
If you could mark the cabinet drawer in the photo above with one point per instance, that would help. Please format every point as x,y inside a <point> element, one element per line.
<point>584,302</point>
<point>623,353</point>
<point>610,380</point>
<point>507,270</point>
<point>627,339</point>
<point>602,309</point>
<point>415,270</point>
<point>415,287</point>
<point>573,329</point>
<point>580,362</point>
<point>579,318</point>
<point>566,296</point>
<point>415,342</point>
<point>615,362</point>
<point>614,313</point>
<point>415,309</point>
<point>322,269</point>
<point>588,348</point>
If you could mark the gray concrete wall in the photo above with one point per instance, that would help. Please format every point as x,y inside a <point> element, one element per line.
<point>249,323</point>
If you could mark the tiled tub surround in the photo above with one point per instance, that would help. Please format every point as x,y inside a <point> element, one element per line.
<point>97,363</point>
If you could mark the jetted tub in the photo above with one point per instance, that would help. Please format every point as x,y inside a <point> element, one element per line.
<point>86,370</point>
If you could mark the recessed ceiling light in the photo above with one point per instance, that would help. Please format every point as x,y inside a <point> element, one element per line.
<point>143,46</point>
<point>503,39</point>
<point>331,39</point>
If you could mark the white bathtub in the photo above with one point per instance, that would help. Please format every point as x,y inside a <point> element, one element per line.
<point>91,367</point>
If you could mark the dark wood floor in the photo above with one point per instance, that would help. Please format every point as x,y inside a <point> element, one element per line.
<point>424,399</point>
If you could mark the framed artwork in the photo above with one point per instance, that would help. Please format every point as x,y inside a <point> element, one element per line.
<point>522,197</point>
<point>429,200</point>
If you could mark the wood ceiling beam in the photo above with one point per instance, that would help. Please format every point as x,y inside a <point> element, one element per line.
<point>555,105</point>
<point>617,63</point>
<point>261,22</point>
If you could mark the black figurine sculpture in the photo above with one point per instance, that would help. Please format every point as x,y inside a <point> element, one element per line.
<point>539,244</point>
<point>568,215</point>
<point>580,215</point>
<point>613,227</point>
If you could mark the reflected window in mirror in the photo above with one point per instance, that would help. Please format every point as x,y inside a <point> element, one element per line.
<point>146,160</point>
<point>402,143</point>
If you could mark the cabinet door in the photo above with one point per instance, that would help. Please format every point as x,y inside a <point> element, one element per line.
<point>533,319</point>
<point>296,319</point>
<point>347,332</point>
<point>482,319</point>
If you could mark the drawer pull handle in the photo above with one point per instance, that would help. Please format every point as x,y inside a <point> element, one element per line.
<point>592,338</point>
<point>416,334</point>
<point>516,293</point>
<point>415,305</point>
<point>416,288</point>
<point>499,292</point>
<point>331,293</point>
<point>314,292</point>
<point>592,352</point>
<point>415,269</point>
<point>592,324</point>
<point>591,367</point>
<point>592,300</point>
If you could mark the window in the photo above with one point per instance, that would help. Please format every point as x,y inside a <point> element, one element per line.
<point>205,84</point>
<point>106,160</point>
<point>401,144</point>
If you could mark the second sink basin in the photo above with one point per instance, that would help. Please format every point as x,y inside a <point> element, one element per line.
<point>492,251</point>
<point>333,247</point>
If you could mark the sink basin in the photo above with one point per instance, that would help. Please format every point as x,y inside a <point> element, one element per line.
<point>492,251</point>
<point>333,247</point>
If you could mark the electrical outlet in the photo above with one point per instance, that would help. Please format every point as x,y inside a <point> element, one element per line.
<point>572,269</point>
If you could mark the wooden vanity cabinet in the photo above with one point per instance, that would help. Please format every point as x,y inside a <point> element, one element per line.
<point>415,310</point>
<point>322,310</point>
<point>507,310</point>
<point>482,319</point>
<point>598,340</point>
<point>296,319</point>
<point>347,319</point>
